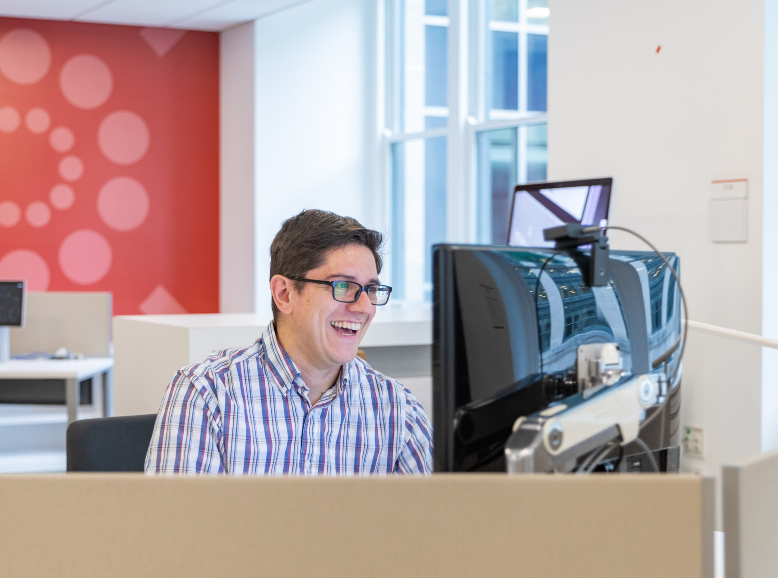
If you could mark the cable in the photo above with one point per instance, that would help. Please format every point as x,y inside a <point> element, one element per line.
<point>645,447</point>
<point>34,355</point>
<point>597,458</point>
<point>619,459</point>
<point>537,313</point>
<point>683,337</point>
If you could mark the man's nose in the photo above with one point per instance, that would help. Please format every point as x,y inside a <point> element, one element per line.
<point>362,304</point>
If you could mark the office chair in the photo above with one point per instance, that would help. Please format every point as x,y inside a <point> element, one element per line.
<point>110,444</point>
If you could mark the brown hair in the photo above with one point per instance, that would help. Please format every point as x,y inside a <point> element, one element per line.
<point>304,240</point>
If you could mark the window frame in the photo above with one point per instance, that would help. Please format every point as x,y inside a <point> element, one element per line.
<point>466,99</point>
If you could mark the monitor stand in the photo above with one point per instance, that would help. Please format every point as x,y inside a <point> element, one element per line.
<point>5,343</point>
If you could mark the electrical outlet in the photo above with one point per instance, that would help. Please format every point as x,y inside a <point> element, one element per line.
<point>693,442</point>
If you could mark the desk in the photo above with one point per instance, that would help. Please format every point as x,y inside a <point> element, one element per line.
<point>71,372</point>
<point>149,349</point>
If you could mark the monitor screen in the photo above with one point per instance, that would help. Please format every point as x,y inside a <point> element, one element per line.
<point>538,206</point>
<point>12,303</point>
<point>499,353</point>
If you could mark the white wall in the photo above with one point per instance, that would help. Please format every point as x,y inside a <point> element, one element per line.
<point>317,133</point>
<point>770,239</point>
<point>664,125</point>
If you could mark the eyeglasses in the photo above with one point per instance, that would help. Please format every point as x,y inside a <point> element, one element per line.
<point>350,291</point>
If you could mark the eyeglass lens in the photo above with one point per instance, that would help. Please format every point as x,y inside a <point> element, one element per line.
<point>346,291</point>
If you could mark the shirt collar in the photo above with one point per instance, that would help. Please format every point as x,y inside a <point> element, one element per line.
<point>281,365</point>
<point>285,371</point>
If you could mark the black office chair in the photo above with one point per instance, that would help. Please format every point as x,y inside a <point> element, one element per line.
<point>109,444</point>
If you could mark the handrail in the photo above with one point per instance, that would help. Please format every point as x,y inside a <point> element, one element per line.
<point>733,334</point>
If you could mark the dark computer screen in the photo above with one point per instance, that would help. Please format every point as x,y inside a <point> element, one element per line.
<point>12,303</point>
<point>500,351</point>
<point>538,206</point>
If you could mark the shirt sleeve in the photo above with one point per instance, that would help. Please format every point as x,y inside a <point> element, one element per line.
<point>416,454</point>
<point>187,436</point>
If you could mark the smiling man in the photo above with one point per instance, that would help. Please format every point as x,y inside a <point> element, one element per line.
<point>298,400</point>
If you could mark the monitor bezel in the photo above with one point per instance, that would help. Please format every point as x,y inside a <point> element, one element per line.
<point>24,300</point>
<point>537,185</point>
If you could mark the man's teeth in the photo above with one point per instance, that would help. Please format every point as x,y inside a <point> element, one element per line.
<point>346,325</point>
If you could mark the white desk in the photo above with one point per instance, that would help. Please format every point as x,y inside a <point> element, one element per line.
<point>72,372</point>
<point>149,349</point>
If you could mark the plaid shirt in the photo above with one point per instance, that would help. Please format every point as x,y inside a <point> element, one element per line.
<point>246,411</point>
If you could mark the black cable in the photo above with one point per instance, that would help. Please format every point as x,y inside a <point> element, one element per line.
<point>537,313</point>
<point>587,462</point>
<point>599,456</point>
<point>619,459</point>
<point>645,447</point>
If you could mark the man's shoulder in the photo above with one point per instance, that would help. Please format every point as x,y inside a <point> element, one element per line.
<point>224,360</point>
<point>372,377</point>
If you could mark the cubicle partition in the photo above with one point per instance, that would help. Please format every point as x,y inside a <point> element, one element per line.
<point>79,321</point>
<point>39,396</point>
<point>84,525</point>
<point>750,491</point>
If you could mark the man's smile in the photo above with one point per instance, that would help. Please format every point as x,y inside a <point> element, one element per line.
<point>346,327</point>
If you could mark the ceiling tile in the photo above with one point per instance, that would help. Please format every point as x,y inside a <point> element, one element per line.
<point>236,12</point>
<point>149,12</point>
<point>48,9</point>
<point>212,15</point>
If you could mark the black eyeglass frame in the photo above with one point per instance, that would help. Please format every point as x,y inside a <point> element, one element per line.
<point>358,295</point>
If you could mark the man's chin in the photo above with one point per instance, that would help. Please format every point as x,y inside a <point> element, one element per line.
<point>344,357</point>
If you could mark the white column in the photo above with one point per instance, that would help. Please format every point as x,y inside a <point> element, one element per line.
<point>237,198</point>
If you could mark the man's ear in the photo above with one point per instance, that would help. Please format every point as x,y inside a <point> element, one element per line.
<point>281,288</point>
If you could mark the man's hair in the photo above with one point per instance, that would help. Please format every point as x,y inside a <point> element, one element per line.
<point>304,240</point>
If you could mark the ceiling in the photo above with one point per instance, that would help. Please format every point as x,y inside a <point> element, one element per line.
<point>215,15</point>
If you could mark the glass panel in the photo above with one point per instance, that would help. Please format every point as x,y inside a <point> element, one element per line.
<point>434,205</point>
<point>503,10</point>
<point>537,59</point>
<point>505,157</point>
<point>418,214</point>
<point>537,12</point>
<point>435,65</point>
<point>436,7</point>
<point>496,154</point>
<point>435,122</point>
<point>537,152</point>
<point>423,66</point>
<point>504,71</point>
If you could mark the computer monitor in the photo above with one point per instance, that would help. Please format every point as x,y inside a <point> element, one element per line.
<point>538,206</point>
<point>499,355</point>
<point>11,313</point>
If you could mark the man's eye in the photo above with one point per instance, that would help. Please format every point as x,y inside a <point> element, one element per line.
<point>341,285</point>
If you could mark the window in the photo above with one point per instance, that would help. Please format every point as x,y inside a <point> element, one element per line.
<point>465,121</point>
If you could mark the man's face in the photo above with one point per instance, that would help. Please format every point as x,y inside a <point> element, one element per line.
<point>318,320</point>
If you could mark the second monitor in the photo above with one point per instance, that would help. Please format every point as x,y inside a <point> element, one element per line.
<point>538,206</point>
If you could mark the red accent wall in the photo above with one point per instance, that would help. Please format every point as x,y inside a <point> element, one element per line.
<point>109,162</point>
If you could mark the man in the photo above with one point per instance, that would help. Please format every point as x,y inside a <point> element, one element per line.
<point>298,400</point>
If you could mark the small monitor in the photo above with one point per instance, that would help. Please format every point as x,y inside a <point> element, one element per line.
<point>12,303</point>
<point>538,206</point>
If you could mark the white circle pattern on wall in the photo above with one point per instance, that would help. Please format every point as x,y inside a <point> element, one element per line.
<point>86,82</point>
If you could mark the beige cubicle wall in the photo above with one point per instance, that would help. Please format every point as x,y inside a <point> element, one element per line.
<point>82,525</point>
<point>750,491</point>
<point>79,321</point>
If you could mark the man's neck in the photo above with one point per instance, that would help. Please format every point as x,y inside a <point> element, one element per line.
<point>318,379</point>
